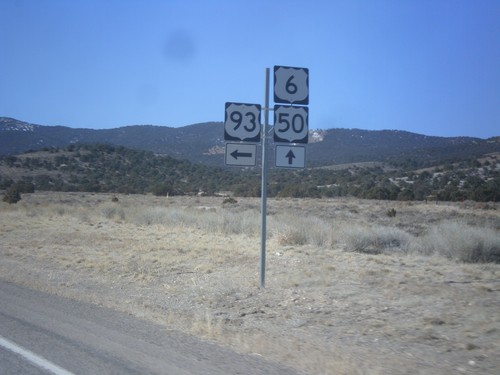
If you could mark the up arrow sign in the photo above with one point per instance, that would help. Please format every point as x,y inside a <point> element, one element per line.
<point>290,157</point>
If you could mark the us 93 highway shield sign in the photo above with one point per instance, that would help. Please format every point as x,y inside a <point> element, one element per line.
<point>242,122</point>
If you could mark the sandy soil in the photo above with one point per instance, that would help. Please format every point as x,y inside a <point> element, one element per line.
<point>324,310</point>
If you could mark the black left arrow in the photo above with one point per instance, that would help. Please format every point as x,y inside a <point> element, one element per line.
<point>290,155</point>
<point>235,154</point>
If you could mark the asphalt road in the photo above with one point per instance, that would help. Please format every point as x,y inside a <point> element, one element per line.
<point>39,330</point>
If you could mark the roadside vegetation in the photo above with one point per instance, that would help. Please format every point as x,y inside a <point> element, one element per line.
<point>458,239</point>
<point>462,232</point>
<point>106,168</point>
<point>354,286</point>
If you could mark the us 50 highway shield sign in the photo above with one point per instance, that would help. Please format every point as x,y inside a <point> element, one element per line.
<point>291,124</point>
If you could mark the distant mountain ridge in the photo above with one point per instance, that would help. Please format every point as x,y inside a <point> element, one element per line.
<point>184,143</point>
<point>356,145</point>
<point>204,143</point>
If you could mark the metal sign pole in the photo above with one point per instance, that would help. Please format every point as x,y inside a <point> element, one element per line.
<point>264,186</point>
<point>291,86</point>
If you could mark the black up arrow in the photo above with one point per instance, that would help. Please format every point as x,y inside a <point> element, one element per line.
<point>290,157</point>
<point>235,154</point>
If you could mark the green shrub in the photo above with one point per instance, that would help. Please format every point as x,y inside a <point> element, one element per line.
<point>162,190</point>
<point>25,186</point>
<point>229,200</point>
<point>391,212</point>
<point>12,195</point>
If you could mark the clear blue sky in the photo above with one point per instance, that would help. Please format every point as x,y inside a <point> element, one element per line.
<point>426,66</point>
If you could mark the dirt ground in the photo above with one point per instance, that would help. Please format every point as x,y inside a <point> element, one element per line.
<point>324,310</point>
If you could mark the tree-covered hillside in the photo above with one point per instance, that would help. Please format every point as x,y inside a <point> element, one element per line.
<point>108,168</point>
<point>204,143</point>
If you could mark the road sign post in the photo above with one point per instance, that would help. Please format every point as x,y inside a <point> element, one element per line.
<point>263,190</point>
<point>242,124</point>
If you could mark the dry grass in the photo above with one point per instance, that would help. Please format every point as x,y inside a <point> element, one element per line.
<point>350,290</point>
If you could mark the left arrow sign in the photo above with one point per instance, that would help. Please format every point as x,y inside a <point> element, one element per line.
<point>236,154</point>
<point>241,154</point>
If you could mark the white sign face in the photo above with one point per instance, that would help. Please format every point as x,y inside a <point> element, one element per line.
<point>291,85</point>
<point>290,156</point>
<point>242,122</point>
<point>241,154</point>
<point>291,124</point>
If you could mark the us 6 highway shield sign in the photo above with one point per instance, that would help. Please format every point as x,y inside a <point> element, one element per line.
<point>291,85</point>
